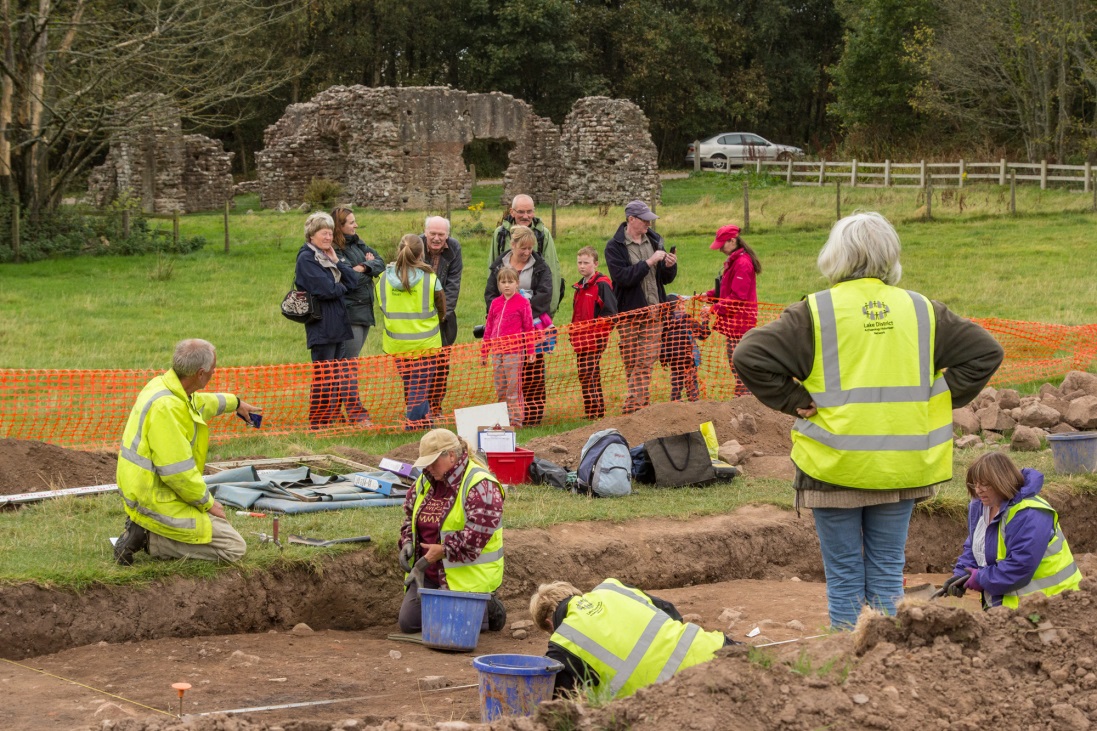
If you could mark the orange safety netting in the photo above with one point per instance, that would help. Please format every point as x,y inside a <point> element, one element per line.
<point>88,408</point>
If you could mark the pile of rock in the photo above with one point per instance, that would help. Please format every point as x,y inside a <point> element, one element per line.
<point>1054,410</point>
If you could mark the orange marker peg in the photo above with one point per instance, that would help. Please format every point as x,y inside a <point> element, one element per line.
<point>182,688</point>
<point>249,514</point>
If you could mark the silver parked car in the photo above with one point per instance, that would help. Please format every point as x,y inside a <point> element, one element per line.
<point>739,148</point>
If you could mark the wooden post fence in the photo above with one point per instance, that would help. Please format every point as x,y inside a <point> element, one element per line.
<point>1043,175</point>
<point>746,206</point>
<point>960,180</point>
<point>228,204</point>
<point>853,173</point>
<point>447,207</point>
<point>472,172</point>
<point>929,198</point>
<point>788,174</point>
<point>175,229</point>
<point>1093,189</point>
<point>822,171</point>
<point>1012,192</point>
<point>1089,174</point>
<point>555,200</point>
<point>838,199</point>
<point>1002,172</point>
<point>696,156</point>
<point>887,173</point>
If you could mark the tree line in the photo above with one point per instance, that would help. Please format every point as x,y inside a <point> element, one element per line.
<point>865,78</point>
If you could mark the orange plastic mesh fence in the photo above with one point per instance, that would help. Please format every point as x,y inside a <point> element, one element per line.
<point>88,408</point>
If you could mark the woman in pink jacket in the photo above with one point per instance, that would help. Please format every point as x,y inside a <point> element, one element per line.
<point>737,290</point>
<point>509,316</point>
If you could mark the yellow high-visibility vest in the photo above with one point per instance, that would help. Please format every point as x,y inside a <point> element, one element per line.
<point>485,574</point>
<point>1057,571</point>
<point>884,416</point>
<point>628,641</point>
<point>409,321</point>
<point>163,455</point>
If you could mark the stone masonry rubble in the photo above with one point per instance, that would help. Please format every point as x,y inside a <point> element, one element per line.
<point>150,159</point>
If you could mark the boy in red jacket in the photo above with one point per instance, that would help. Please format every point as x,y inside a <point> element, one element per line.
<point>594,304</point>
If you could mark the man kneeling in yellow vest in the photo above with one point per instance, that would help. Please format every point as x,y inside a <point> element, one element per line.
<point>170,512</point>
<point>616,639</point>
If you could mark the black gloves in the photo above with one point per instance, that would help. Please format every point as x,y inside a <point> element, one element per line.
<point>953,587</point>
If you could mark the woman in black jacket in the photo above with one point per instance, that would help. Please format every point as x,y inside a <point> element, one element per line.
<point>534,278</point>
<point>320,273</point>
<point>368,264</point>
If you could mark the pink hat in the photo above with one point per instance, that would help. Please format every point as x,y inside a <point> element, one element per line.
<point>724,235</point>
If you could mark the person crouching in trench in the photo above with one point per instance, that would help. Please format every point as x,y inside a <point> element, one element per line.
<point>597,637</point>
<point>452,536</point>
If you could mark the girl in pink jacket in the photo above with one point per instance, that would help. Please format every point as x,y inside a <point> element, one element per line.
<point>508,335</point>
<point>737,290</point>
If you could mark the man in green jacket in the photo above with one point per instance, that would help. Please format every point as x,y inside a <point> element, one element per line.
<point>170,511</point>
<point>523,213</point>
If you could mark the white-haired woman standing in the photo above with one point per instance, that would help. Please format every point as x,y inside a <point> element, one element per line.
<point>875,402</point>
<point>320,273</point>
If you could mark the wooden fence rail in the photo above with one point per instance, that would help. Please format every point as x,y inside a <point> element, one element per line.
<point>889,174</point>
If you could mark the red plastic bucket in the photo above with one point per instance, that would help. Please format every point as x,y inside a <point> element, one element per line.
<point>511,468</point>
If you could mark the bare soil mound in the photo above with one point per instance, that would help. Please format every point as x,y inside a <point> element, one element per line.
<point>934,666</point>
<point>753,425</point>
<point>743,419</point>
<point>30,466</point>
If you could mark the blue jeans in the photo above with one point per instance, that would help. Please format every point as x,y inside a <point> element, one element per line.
<point>418,377</point>
<point>864,551</point>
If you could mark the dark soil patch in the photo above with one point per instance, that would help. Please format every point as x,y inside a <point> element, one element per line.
<point>29,466</point>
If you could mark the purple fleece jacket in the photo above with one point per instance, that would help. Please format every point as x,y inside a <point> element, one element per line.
<point>1029,533</point>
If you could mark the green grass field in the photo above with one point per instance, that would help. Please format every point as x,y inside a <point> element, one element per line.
<point>112,313</point>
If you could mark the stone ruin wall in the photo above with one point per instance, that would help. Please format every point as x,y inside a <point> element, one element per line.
<point>390,148</point>
<point>608,157</point>
<point>153,161</point>
<point>400,148</point>
<point>207,173</point>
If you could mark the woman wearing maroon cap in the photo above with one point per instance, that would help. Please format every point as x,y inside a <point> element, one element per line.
<point>737,310</point>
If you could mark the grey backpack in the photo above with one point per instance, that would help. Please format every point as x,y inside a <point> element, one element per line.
<point>605,465</point>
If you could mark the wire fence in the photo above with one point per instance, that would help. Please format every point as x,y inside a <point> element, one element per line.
<point>88,408</point>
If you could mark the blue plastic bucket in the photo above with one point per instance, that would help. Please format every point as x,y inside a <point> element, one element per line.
<point>1074,453</point>
<point>452,619</point>
<point>513,685</point>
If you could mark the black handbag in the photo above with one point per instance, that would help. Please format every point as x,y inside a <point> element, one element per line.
<point>300,306</point>
<point>680,460</point>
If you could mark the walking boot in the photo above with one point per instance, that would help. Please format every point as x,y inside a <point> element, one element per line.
<point>133,539</point>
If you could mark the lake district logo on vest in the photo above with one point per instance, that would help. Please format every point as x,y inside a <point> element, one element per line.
<point>876,313</point>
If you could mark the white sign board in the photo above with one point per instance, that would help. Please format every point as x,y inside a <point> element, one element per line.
<point>470,419</point>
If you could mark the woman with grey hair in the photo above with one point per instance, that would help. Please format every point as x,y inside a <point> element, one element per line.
<point>322,274</point>
<point>874,404</point>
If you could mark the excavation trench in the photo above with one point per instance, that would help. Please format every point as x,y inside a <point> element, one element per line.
<point>361,589</point>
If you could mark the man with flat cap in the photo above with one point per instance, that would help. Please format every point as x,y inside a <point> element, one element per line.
<point>640,267</point>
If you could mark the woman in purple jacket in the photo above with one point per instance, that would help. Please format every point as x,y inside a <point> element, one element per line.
<point>1014,545</point>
